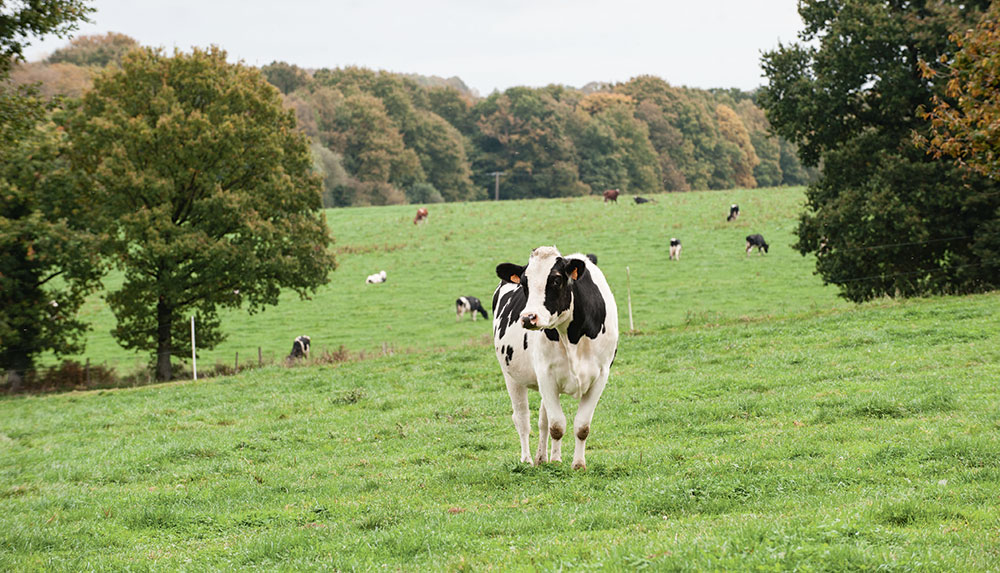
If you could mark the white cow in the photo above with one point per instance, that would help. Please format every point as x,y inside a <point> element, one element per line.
<point>555,329</point>
<point>376,278</point>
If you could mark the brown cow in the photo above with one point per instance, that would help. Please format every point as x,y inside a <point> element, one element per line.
<point>611,195</point>
<point>421,215</point>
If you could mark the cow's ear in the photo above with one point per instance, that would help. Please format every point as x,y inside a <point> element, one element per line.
<point>575,268</point>
<point>510,273</point>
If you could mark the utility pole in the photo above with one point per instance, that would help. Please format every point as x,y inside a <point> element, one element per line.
<point>496,188</point>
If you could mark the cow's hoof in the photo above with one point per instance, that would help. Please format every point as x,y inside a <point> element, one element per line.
<point>579,465</point>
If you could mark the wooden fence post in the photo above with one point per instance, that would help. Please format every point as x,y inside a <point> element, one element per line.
<point>628,282</point>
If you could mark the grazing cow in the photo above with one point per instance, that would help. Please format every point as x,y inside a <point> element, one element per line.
<point>555,329</point>
<point>611,195</point>
<point>300,348</point>
<point>675,249</point>
<point>470,304</point>
<point>592,257</point>
<point>376,278</point>
<point>756,241</point>
<point>641,200</point>
<point>734,211</point>
<point>421,215</point>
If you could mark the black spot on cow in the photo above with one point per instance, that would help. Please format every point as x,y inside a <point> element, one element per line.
<point>508,309</point>
<point>552,334</point>
<point>509,354</point>
<point>525,340</point>
<point>589,311</point>
<point>557,296</point>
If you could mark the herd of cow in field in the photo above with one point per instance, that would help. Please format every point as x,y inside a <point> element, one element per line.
<point>555,330</point>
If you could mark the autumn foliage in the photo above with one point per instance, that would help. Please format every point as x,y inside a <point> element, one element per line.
<point>965,121</point>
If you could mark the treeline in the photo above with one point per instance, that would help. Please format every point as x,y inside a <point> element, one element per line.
<point>383,138</point>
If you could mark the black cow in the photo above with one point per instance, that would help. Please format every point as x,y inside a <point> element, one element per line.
<point>300,348</point>
<point>592,257</point>
<point>471,304</point>
<point>555,329</point>
<point>734,211</point>
<point>641,200</point>
<point>756,241</point>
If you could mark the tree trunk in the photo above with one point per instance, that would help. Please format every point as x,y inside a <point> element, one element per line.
<point>163,347</point>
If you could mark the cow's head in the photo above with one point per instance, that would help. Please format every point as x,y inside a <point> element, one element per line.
<point>548,281</point>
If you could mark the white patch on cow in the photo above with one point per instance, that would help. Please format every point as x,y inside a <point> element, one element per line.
<point>537,275</point>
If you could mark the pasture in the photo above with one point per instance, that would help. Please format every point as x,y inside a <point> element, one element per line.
<point>456,251</point>
<point>753,421</point>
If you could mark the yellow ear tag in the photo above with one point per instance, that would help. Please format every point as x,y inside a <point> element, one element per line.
<point>515,279</point>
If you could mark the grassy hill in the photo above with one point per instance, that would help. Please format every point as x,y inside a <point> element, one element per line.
<point>754,422</point>
<point>456,252</point>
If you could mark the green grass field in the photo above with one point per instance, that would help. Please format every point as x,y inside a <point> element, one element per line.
<point>755,422</point>
<point>456,252</point>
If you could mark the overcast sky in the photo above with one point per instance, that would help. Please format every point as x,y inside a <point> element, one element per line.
<point>490,45</point>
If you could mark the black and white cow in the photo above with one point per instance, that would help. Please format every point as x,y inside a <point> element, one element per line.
<point>555,330</point>
<point>756,241</point>
<point>675,248</point>
<point>377,278</point>
<point>300,348</point>
<point>734,211</point>
<point>470,304</point>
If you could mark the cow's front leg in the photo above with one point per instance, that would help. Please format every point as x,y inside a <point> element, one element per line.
<point>519,404</point>
<point>584,415</point>
<point>542,454</point>
<point>556,419</point>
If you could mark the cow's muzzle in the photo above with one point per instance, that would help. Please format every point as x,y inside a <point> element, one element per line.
<point>529,321</point>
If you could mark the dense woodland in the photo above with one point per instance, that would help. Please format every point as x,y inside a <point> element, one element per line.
<point>382,138</point>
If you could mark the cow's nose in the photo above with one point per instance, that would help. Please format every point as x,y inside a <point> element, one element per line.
<point>529,319</point>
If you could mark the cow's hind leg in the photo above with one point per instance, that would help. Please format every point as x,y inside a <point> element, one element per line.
<point>519,403</point>
<point>584,415</point>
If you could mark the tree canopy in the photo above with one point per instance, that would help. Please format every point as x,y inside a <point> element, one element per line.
<point>20,21</point>
<point>884,218</point>
<point>393,132</point>
<point>965,120</point>
<point>206,192</point>
<point>47,263</point>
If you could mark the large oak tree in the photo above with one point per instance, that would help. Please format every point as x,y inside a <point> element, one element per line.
<point>206,190</point>
<point>885,219</point>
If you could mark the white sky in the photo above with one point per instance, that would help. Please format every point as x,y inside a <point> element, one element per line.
<point>490,45</point>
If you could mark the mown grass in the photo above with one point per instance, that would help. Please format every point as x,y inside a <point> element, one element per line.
<point>863,439</point>
<point>785,431</point>
<point>456,252</point>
